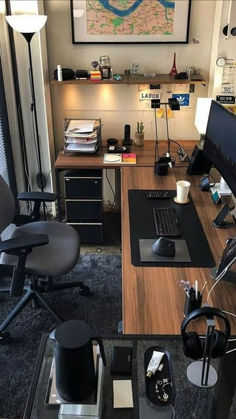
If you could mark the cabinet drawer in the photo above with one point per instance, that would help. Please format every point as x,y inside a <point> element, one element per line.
<point>89,233</point>
<point>83,187</point>
<point>83,210</point>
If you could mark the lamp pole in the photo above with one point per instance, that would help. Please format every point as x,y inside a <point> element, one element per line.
<point>41,183</point>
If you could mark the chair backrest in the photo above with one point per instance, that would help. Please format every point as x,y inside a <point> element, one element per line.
<point>7,205</point>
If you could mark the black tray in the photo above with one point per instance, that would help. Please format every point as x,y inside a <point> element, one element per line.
<point>159,376</point>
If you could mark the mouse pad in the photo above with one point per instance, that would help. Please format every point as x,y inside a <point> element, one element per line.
<point>147,255</point>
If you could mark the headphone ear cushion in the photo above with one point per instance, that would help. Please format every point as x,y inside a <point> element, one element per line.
<point>192,346</point>
<point>219,344</point>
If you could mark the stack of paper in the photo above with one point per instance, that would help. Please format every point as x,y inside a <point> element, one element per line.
<point>81,135</point>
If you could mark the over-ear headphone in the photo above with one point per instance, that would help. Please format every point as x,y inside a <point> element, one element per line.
<point>193,347</point>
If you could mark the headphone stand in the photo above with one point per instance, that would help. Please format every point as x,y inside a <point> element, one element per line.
<point>201,373</point>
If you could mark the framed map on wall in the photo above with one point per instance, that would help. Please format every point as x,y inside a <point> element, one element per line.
<point>130,21</point>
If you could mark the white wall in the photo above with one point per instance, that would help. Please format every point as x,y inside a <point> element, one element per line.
<point>118,105</point>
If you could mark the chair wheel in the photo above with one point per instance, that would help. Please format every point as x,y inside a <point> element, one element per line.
<point>5,337</point>
<point>84,290</point>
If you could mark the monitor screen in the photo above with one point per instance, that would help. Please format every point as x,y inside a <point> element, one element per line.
<point>220,143</point>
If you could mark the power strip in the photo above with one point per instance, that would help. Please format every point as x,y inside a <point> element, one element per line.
<point>182,154</point>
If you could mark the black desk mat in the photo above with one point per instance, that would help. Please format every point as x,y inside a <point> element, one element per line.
<point>142,227</point>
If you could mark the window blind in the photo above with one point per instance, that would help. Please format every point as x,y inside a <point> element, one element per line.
<point>6,159</point>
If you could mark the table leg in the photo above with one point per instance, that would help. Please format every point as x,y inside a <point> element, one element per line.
<point>58,189</point>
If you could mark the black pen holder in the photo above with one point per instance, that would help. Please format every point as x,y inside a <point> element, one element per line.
<point>191,303</point>
<point>161,166</point>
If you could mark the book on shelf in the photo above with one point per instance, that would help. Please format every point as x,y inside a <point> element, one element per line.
<point>116,158</point>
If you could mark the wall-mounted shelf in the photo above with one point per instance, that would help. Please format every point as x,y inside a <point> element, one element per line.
<point>159,79</point>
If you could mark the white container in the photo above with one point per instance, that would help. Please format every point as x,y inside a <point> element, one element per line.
<point>59,73</point>
<point>182,191</point>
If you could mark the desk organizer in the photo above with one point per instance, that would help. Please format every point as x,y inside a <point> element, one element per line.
<point>82,142</point>
<point>161,383</point>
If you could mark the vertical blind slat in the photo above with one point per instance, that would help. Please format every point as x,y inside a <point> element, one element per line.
<point>6,158</point>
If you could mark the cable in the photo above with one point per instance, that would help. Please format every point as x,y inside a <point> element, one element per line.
<point>231,350</point>
<point>108,180</point>
<point>156,135</point>
<point>228,312</point>
<point>218,278</point>
<point>173,141</point>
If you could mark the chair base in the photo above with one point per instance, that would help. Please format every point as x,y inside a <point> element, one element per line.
<point>29,296</point>
<point>48,285</point>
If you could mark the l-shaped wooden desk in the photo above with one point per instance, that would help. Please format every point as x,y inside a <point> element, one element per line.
<point>152,298</point>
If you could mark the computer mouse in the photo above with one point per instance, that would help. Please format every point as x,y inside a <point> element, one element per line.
<point>164,247</point>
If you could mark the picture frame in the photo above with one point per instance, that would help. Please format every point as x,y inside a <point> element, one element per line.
<point>142,22</point>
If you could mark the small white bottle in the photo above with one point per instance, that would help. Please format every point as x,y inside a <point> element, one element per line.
<point>59,73</point>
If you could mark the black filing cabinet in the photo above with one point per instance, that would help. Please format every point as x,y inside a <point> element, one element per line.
<point>83,192</point>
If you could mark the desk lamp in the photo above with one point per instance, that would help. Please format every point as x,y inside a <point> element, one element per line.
<point>161,163</point>
<point>28,25</point>
<point>201,117</point>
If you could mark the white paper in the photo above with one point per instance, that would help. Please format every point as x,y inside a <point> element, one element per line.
<point>84,148</point>
<point>112,158</point>
<point>78,126</point>
<point>78,140</point>
<point>123,395</point>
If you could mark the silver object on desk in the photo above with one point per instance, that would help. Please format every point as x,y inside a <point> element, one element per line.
<point>85,411</point>
<point>147,255</point>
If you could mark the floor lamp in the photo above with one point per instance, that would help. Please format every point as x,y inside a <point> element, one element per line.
<point>28,25</point>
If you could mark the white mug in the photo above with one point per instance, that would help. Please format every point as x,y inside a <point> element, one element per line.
<point>182,191</point>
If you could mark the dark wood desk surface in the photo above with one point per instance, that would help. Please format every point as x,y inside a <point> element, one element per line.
<point>145,156</point>
<point>152,298</point>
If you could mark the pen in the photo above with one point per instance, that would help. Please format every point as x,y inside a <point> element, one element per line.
<point>204,286</point>
<point>196,289</point>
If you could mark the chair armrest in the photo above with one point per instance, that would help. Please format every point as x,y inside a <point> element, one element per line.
<point>37,196</point>
<point>23,243</point>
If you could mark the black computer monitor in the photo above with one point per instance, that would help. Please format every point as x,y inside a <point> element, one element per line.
<point>220,143</point>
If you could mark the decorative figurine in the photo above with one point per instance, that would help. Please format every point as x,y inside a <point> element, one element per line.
<point>173,71</point>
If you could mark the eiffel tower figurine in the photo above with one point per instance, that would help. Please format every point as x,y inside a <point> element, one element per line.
<point>173,71</point>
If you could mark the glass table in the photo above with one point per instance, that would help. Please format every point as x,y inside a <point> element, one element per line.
<point>187,400</point>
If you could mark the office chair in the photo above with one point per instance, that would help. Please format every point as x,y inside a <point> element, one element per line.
<point>38,250</point>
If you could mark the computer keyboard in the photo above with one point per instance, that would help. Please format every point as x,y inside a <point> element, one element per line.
<point>166,222</point>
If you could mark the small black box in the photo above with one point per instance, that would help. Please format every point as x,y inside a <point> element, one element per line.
<point>81,74</point>
<point>121,360</point>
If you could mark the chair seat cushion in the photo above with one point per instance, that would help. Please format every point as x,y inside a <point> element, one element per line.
<point>57,257</point>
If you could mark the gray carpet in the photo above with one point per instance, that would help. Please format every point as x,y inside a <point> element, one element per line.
<point>102,311</point>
